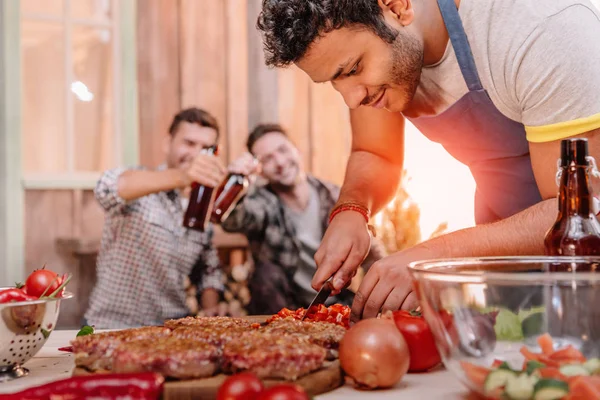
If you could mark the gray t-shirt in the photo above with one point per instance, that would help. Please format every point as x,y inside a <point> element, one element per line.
<point>539,61</point>
<point>309,232</point>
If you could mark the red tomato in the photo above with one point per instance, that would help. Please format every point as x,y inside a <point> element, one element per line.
<point>240,387</point>
<point>14,294</point>
<point>283,392</point>
<point>40,280</point>
<point>421,345</point>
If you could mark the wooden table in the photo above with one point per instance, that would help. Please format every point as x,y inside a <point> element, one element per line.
<point>50,365</point>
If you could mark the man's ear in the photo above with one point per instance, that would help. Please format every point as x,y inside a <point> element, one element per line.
<point>400,10</point>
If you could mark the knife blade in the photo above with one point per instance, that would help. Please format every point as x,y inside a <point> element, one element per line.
<point>321,296</point>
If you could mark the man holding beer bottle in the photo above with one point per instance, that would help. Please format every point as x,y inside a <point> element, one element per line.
<point>146,252</point>
<point>284,220</point>
<point>497,82</point>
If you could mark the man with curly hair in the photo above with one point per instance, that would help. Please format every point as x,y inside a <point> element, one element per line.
<point>498,83</point>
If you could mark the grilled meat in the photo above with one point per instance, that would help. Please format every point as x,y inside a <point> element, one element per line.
<point>94,352</point>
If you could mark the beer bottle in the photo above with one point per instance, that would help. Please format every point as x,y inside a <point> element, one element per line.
<point>576,231</point>
<point>201,201</point>
<point>228,194</point>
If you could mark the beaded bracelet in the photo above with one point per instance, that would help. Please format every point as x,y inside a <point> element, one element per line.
<point>350,206</point>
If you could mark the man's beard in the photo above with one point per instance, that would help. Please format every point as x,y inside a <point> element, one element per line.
<point>407,62</point>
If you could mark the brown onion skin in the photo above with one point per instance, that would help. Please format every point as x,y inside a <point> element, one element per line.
<point>374,353</point>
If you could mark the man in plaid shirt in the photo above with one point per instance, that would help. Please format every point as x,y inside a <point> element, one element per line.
<point>284,221</point>
<point>146,253</point>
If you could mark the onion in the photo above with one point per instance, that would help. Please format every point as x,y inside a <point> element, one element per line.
<point>374,354</point>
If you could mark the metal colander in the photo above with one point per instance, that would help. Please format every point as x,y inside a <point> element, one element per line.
<point>24,329</point>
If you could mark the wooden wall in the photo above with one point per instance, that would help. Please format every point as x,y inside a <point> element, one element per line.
<point>209,54</point>
<point>191,53</point>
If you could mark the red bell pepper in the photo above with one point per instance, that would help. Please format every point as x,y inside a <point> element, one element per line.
<point>139,386</point>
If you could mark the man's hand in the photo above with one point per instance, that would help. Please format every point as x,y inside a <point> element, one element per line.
<point>205,169</point>
<point>209,302</point>
<point>246,165</point>
<point>344,247</point>
<point>388,285</point>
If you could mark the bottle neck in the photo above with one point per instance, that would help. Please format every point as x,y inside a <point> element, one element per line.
<point>575,197</point>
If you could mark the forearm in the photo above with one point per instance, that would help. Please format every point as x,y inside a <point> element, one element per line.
<point>370,180</point>
<point>521,234</point>
<point>209,298</point>
<point>135,184</point>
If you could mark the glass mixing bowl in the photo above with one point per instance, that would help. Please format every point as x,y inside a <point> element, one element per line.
<point>491,310</point>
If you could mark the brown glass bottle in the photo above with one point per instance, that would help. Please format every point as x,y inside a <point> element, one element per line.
<point>228,194</point>
<point>576,231</point>
<point>201,201</point>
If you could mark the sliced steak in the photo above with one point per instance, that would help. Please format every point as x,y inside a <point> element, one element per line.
<point>170,356</point>
<point>94,352</point>
<point>272,355</point>
<point>217,335</point>
<point>324,334</point>
<point>206,321</point>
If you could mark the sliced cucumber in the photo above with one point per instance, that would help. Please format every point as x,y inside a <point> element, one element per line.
<point>574,370</point>
<point>533,365</point>
<point>497,379</point>
<point>521,387</point>
<point>550,389</point>
<point>592,365</point>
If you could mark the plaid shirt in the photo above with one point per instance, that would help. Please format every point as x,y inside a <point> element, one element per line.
<point>145,255</point>
<point>271,233</point>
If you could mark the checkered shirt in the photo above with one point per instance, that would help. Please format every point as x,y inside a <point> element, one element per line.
<point>271,232</point>
<point>145,255</point>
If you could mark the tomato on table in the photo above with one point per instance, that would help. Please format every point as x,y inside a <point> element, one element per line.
<point>242,386</point>
<point>283,392</point>
<point>421,344</point>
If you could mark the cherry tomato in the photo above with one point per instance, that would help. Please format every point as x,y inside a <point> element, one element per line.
<point>421,345</point>
<point>14,294</point>
<point>243,386</point>
<point>283,392</point>
<point>40,280</point>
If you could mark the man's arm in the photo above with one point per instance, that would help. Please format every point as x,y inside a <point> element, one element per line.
<point>372,178</point>
<point>248,216</point>
<point>133,184</point>
<point>204,169</point>
<point>375,165</point>
<point>388,286</point>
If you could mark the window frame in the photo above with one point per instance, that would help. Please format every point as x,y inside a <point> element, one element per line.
<point>12,181</point>
<point>123,27</point>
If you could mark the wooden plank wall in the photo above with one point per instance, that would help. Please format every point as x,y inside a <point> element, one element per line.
<point>216,60</point>
<point>204,53</point>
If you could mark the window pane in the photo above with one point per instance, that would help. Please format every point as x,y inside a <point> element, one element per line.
<point>98,10</point>
<point>43,97</point>
<point>93,98</point>
<point>45,7</point>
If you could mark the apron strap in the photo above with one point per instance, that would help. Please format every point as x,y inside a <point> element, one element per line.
<point>460,43</point>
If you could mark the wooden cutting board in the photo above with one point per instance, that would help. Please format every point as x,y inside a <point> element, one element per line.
<point>326,379</point>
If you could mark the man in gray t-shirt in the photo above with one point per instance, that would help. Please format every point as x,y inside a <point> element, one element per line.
<point>284,220</point>
<point>498,83</point>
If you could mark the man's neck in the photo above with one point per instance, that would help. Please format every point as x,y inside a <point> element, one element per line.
<point>297,196</point>
<point>435,34</point>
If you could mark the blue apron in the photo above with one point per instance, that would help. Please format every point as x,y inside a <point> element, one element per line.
<point>474,132</point>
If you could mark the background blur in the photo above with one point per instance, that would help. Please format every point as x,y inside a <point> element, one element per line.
<point>87,85</point>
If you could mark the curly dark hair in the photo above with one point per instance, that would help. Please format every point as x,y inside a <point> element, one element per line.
<point>289,27</point>
<point>194,116</point>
